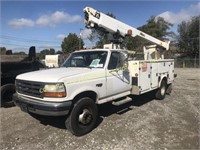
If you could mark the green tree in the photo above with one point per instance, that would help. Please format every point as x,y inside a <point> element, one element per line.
<point>59,52</point>
<point>156,27</point>
<point>3,50</point>
<point>51,51</point>
<point>71,43</point>
<point>188,37</point>
<point>44,52</point>
<point>19,53</point>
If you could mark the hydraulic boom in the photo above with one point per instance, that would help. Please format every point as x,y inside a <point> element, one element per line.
<point>94,18</point>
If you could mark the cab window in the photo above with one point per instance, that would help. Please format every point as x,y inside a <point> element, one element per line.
<point>117,60</point>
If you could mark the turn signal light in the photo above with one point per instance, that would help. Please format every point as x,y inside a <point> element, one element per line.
<point>54,94</point>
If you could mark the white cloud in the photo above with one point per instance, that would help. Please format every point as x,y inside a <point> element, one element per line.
<point>22,22</point>
<point>60,36</point>
<point>50,20</point>
<point>56,18</point>
<point>182,15</point>
<point>85,33</point>
<point>43,21</point>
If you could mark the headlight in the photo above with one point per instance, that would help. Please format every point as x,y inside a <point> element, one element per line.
<point>54,90</point>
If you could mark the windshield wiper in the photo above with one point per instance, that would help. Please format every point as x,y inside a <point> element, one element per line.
<point>88,67</point>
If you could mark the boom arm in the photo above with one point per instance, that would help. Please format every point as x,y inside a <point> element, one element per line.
<point>94,18</point>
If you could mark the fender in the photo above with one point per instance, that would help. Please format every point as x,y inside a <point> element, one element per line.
<point>163,76</point>
<point>81,90</point>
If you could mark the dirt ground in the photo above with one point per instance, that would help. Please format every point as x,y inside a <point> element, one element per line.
<point>145,123</point>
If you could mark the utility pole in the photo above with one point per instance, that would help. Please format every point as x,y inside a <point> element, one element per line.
<point>80,39</point>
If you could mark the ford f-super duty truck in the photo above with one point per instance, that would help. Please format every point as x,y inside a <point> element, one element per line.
<point>92,77</point>
<point>88,78</point>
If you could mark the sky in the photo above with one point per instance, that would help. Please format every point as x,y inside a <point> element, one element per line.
<point>44,24</point>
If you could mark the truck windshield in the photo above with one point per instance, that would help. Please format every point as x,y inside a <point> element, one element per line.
<point>92,59</point>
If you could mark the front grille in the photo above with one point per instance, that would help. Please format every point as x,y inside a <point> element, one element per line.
<point>30,88</point>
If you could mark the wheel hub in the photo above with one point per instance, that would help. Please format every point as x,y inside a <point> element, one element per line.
<point>85,117</point>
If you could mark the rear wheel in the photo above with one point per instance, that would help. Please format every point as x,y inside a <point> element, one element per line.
<point>83,117</point>
<point>7,92</point>
<point>161,92</point>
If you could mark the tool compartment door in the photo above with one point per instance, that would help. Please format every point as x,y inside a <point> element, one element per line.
<point>154,74</point>
<point>144,76</point>
<point>171,71</point>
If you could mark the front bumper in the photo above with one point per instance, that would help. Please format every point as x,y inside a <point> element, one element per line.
<point>42,108</point>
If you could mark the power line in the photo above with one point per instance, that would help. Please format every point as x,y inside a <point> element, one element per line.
<point>25,39</point>
<point>12,44</point>
<point>29,45</point>
<point>18,42</point>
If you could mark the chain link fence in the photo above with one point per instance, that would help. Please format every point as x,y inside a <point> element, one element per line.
<point>186,63</point>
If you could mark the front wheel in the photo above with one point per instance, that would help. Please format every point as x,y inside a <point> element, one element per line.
<point>161,92</point>
<point>83,117</point>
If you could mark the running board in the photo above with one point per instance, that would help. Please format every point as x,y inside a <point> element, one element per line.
<point>121,102</point>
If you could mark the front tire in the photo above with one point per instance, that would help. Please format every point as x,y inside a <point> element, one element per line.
<point>161,92</point>
<point>83,117</point>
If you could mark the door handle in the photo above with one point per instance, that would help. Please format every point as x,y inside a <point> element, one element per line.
<point>99,85</point>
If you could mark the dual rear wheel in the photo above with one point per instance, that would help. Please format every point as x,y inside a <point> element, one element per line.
<point>161,91</point>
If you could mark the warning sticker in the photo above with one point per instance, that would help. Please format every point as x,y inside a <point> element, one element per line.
<point>95,63</point>
<point>144,67</point>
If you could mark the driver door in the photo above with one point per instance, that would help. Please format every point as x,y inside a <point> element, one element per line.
<point>117,74</point>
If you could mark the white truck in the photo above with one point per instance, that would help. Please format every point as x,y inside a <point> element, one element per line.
<point>92,77</point>
<point>54,61</point>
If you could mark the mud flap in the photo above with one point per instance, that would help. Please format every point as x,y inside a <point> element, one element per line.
<point>169,89</point>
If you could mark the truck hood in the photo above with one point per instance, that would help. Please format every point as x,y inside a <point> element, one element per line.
<point>52,75</point>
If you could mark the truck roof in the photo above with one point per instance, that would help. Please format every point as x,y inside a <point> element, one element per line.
<point>84,50</point>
